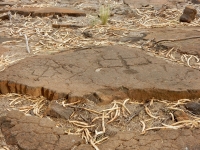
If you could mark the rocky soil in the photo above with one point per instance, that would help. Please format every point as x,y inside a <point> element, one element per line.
<point>68,81</point>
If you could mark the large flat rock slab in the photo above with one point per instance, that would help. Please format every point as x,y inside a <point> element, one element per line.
<point>186,39</point>
<point>46,11</point>
<point>106,71</point>
<point>155,3</point>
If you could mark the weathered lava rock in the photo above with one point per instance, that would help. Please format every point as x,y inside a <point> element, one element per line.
<point>196,1</point>
<point>189,14</point>
<point>46,11</point>
<point>31,132</point>
<point>194,107</point>
<point>180,115</point>
<point>58,111</point>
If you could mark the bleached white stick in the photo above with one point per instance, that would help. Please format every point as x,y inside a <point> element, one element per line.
<point>27,47</point>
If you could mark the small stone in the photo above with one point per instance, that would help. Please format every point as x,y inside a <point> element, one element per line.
<point>87,34</point>
<point>196,1</point>
<point>180,115</point>
<point>58,111</point>
<point>189,14</point>
<point>194,107</point>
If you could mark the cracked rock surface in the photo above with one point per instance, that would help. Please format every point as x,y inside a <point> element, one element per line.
<point>81,72</point>
<point>162,64</point>
<point>162,139</point>
<point>180,35</point>
<point>30,133</point>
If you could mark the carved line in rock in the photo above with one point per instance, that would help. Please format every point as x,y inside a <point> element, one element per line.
<point>100,97</point>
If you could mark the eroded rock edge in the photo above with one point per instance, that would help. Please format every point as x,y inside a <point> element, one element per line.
<point>102,96</point>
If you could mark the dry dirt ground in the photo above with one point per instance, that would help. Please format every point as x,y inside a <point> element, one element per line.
<point>149,124</point>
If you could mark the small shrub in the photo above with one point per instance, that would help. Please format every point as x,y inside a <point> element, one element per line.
<point>104,14</point>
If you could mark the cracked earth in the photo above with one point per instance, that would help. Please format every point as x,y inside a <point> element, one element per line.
<point>76,84</point>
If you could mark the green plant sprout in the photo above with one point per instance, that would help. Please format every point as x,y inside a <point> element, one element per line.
<point>104,14</point>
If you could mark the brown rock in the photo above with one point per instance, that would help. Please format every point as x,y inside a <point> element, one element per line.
<point>158,139</point>
<point>189,14</point>
<point>25,142</point>
<point>107,68</point>
<point>20,127</point>
<point>46,11</point>
<point>180,115</point>
<point>194,107</point>
<point>59,25</point>
<point>190,46</point>
<point>28,132</point>
<point>68,142</point>
<point>87,34</point>
<point>58,111</point>
<point>196,1</point>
